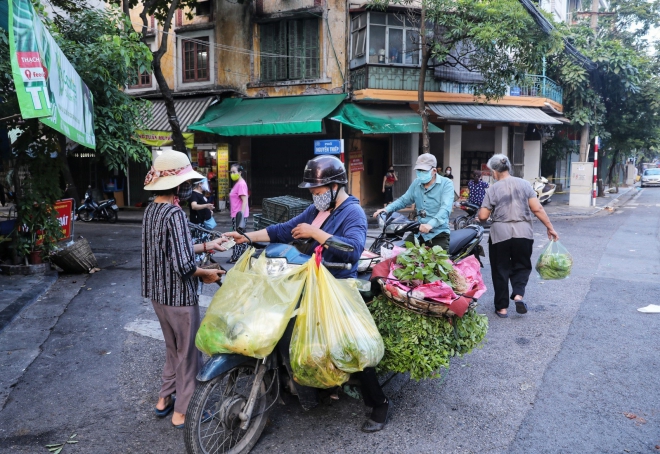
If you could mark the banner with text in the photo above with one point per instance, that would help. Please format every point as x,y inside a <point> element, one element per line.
<point>47,86</point>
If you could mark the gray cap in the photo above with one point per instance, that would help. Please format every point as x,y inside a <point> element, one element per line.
<point>426,161</point>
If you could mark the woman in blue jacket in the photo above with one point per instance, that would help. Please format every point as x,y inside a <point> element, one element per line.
<point>333,214</point>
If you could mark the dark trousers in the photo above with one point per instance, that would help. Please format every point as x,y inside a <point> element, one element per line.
<point>238,249</point>
<point>510,260</point>
<point>441,239</point>
<point>389,196</point>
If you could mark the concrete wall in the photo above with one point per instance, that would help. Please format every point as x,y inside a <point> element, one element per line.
<point>532,166</point>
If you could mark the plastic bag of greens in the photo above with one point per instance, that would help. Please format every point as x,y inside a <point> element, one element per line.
<point>554,262</point>
<point>334,335</point>
<point>249,313</point>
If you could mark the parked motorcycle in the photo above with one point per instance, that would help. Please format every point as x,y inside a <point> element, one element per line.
<point>467,219</point>
<point>90,210</point>
<point>544,189</point>
<point>229,409</point>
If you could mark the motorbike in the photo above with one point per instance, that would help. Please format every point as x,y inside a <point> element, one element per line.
<point>90,210</point>
<point>467,219</point>
<point>230,407</point>
<point>544,189</point>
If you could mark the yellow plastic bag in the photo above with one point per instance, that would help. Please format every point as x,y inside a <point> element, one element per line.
<point>249,313</point>
<point>335,334</point>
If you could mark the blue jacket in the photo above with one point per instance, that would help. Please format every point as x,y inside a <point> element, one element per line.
<point>347,223</point>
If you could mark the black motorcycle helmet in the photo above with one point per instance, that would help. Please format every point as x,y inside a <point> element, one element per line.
<point>322,171</point>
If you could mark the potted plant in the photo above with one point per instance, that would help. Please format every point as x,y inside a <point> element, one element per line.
<point>40,232</point>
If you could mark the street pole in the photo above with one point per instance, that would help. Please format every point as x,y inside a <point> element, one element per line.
<point>595,188</point>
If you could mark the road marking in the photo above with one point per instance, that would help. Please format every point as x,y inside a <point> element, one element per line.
<point>149,328</point>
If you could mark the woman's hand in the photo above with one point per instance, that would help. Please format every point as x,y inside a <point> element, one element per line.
<point>378,212</point>
<point>209,276</point>
<point>238,237</point>
<point>552,235</point>
<point>304,231</point>
<point>217,244</point>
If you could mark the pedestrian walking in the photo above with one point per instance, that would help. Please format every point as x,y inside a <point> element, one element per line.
<point>477,188</point>
<point>201,211</point>
<point>169,278</point>
<point>433,197</point>
<point>511,202</point>
<point>238,199</point>
<point>388,184</point>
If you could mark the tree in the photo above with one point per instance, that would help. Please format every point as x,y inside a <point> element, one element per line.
<point>163,11</point>
<point>495,39</point>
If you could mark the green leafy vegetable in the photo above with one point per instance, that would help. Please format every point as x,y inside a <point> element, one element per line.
<point>554,262</point>
<point>423,265</point>
<point>423,345</point>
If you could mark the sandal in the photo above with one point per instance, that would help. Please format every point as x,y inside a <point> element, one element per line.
<point>501,315</point>
<point>521,307</point>
<point>165,411</point>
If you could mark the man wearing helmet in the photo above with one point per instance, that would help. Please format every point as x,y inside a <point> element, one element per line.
<point>333,214</point>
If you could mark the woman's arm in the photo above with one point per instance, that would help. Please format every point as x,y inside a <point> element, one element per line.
<point>484,214</point>
<point>259,236</point>
<point>244,207</point>
<point>542,216</point>
<point>198,206</point>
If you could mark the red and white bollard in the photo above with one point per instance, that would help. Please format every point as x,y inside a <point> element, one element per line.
<point>595,188</point>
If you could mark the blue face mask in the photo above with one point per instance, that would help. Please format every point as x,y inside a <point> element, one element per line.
<point>424,176</point>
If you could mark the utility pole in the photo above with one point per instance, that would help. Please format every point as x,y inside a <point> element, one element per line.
<point>584,134</point>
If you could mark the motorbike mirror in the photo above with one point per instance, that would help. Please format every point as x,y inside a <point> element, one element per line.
<point>240,222</point>
<point>338,244</point>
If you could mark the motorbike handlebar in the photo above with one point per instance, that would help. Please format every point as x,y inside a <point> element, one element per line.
<point>337,266</point>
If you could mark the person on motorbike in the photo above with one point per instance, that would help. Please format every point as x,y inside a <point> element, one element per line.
<point>333,214</point>
<point>433,197</point>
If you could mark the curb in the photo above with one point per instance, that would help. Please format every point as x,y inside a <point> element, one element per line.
<point>8,314</point>
<point>596,209</point>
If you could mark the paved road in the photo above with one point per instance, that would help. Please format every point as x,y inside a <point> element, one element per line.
<point>560,379</point>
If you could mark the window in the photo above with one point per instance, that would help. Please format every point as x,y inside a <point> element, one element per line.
<point>392,39</point>
<point>144,81</point>
<point>290,50</point>
<point>196,59</point>
<point>203,8</point>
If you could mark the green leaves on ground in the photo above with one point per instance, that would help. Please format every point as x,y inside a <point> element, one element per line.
<point>423,345</point>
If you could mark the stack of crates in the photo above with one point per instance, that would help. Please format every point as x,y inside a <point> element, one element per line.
<point>279,209</point>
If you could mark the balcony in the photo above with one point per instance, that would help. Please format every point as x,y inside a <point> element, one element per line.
<point>407,78</point>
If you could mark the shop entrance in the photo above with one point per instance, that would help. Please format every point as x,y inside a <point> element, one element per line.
<point>376,155</point>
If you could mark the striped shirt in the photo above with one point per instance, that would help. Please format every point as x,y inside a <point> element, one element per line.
<point>168,259</point>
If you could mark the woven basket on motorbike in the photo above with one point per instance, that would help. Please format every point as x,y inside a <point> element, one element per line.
<point>77,258</point>
<point>420,306</point>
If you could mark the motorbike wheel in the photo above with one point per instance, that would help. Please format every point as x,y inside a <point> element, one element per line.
<point>112,216</point>
<point>85,215</point>
<point>461,222</point>
<point>224,398</point>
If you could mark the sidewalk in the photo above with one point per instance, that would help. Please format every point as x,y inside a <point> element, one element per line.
<point>559,206</point>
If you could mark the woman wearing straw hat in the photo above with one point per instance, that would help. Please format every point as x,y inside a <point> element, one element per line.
<point>168,278</point>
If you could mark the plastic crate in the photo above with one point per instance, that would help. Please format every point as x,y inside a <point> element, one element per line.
<point>260,222</point>
<point>284,208</point>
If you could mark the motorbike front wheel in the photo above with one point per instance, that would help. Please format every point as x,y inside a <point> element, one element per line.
<point>85,215</point>
<point>213,422</point>
<point>112,216</point>
<point>461,222</point>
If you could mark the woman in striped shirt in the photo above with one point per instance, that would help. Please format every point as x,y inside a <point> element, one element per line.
<point>169,278</point>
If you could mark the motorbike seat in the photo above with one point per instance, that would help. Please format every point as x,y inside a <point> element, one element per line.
<point>459,238</point>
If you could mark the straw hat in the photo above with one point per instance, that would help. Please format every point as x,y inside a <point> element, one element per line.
<point>170,169</point>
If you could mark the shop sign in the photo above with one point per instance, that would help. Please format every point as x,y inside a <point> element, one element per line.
<point>356,162</point>
<point>485,171</point>
<point>163,138</point>
<point>329,146</point>
<point>64,210</point>
<point>223,171</point>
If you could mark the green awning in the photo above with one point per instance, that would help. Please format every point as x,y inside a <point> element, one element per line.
<point>381,120</point>
<point>268,116</point>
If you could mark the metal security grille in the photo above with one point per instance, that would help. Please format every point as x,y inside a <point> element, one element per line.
<point>402,162</point>
<point>290,50</point>
<point>518,152</point>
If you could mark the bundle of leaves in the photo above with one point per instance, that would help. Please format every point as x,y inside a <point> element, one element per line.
<point>423,265</point>
<point>423,345</point>
<point>554,266</point>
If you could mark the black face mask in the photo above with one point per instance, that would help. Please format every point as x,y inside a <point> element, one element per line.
<point>185,191</point>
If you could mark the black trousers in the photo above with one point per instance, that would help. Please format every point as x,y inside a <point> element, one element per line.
<point>441,239</point>
<point>389,196</point>
<point>510,261</point>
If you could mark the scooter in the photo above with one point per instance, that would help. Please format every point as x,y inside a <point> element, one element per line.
<point>544,189</point>
<point>229,409</point>
<point>90,210</point>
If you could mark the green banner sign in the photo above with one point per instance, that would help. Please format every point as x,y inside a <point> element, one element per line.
<point>48,87</point>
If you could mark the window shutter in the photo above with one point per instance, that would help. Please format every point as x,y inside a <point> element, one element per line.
<point>281,49</point>
<point>296,50</point>
<point>267,49</point>
<point>311,52</point>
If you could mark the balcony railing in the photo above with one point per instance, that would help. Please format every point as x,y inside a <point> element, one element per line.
<point>407,78</point>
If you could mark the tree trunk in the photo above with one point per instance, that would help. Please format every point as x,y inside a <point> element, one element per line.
<point>177,135</point>
<point>66,172</point>
<point>584,143</point>
<point>615,157</point>
<point>126,7</point>
<point>426,145</point>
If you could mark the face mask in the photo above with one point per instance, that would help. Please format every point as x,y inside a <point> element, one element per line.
<point>424,176</point>
<point>322,201</point>
<point>448,172</point>
<point>234,176</point>
<point>185,191</point>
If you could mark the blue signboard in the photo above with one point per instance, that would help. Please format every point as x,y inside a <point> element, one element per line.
<point>329,146</point>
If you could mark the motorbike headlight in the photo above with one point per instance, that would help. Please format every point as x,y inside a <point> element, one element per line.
<point>277,267</point>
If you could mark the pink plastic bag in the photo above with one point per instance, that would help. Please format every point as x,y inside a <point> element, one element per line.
<point>435,291</point>
<point>470,268</point>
